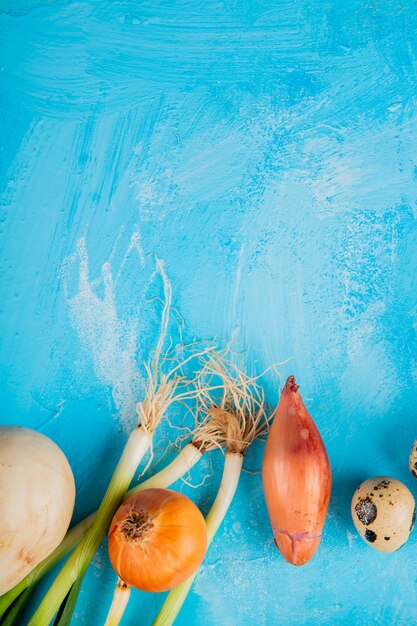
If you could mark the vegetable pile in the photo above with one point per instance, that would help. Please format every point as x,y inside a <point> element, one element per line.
<point>157,537</point>
<point>230,413</point>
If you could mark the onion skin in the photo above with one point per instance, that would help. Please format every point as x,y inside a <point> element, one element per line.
<point>172,542</point>
<point>296,478</point>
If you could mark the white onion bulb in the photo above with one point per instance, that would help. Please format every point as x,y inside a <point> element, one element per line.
<point>37,494</point>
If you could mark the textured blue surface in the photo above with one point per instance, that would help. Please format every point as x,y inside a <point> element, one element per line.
<point>266,151</point>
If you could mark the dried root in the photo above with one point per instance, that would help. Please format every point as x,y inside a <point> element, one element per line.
<point>230,407</point>
<point>239,413</point>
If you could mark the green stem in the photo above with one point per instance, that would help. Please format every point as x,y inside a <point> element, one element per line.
<point>13,616</point>
<point>78,562</point>
<point>66,610</point>
<point>175,470</point>
<point>228,485</point>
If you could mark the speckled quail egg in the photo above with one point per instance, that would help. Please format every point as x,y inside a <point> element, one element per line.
<point>384,512</point>
<point>412,463</point>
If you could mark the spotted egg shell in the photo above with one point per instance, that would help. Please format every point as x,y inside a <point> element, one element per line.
<point>412,462</point>
<point>383,511</point>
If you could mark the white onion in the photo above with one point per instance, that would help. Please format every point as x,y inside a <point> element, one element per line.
<point>37,494</point>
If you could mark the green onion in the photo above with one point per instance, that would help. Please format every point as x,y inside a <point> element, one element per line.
<point>161,392</point>
<point>66,609</point>
<point>242,410</point>
<point>137,445</point>
<point>13,615</point>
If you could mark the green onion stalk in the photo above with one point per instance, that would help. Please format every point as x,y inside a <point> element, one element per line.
<point>162,391</point>
<point>241,415</point>
<point>243,411</point>
<point>137,445</point>
<point>209,435</point>
<point>120,600</point>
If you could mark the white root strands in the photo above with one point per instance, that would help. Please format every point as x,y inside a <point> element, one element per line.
<point>240,412</point>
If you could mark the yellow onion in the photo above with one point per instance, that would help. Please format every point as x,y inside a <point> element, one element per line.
<point>157,539</point>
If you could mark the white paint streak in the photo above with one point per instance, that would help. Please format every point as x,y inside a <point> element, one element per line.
<point>109,341</point>
<point>236,293</point>
<point>134,245</point>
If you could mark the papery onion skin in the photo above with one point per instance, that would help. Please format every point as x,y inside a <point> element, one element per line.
<point>171,540</point>
<point>296,477</point>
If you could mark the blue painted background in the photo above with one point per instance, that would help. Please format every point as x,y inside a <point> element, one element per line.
<point>266,151</point>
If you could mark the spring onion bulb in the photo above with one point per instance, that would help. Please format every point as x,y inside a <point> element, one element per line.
<point>157,539</point>
<point>161,392</point>
<point>243,414</point>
